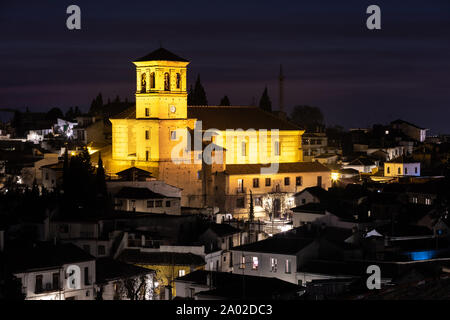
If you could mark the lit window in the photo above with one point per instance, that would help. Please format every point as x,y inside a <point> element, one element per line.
<point>242,264</point>
<point>288,266</point>
<point>255,263</point>
<point>427,201</point>
<point>181,273</point>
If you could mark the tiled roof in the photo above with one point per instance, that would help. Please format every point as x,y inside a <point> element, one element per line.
<point>293,167</point>
<point>223,229</point>
<point>276,245</point>
<point>161,54</point>
<point>45,256</point>
<point>238,117</point>
<point>107,269</point>
<point>138,193</point>
<point>161,258</point>
<point>403,159</point>
<point>229,285</point>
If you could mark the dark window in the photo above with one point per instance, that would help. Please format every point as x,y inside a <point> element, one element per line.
<point>167,203</point>
<point>166,81</point>
<point>152,80</point>
<point>415,170</point>
<point>143,82</point>
<point>287,181</point>
<point>388,169</point>
<point>38,286</point>
<point>46,176</point>
<point>147,112</point>
<point>55,281</point>
<point>86,276</point>
<point>101,250</point>
<point>150,204</point>
<point>319,181</point>
<point>298,181</point>
<point>240,203</point>
<point>398,171</point>
<point>268,182</point>
<point>178,81</point>
<point>158,203</point>
<point>147,155</point>
<point>256,183</point>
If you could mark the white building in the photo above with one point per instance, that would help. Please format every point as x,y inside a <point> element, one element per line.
<point>54,272</point>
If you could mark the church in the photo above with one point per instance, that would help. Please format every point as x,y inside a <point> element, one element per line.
<point>148,136</point>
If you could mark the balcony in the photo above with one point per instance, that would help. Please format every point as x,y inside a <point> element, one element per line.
<point>48,287</point>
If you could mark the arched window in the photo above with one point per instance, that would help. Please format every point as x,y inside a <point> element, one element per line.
<point>166,81</point>
<point>143,83</point>
<point>152,80</point>
<point>178,81</point>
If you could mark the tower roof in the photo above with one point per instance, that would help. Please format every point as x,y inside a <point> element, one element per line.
<point>161,54</point>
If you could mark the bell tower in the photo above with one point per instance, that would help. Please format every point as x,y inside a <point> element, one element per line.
<point>161,86</point>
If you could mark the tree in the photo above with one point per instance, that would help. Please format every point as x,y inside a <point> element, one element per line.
<point>190,96</point>
<point>224,101</point>
<point>309,118</point>
<point>100,178</point>
<point>251,214</point>
<point>198,95</point>
<point>135,288</point>
<point>97,104</point>
<point>264,102</point>
<point>54,113</point>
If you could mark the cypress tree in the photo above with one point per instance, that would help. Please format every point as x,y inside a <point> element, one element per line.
<point>251,214</point>
<point>199,96</point>
<point>264,102</point>
<point>225,101</point>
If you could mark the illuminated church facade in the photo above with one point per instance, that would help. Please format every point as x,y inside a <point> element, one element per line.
<point>149,136</point>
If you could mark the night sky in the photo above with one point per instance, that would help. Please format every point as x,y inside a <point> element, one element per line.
<point>331,60</point>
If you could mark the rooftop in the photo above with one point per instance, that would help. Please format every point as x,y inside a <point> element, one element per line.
<point>161,258</point>
<point>138,193</point>
<point>277,245</point>
<point>161,54</point>
<point>293,167</point>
